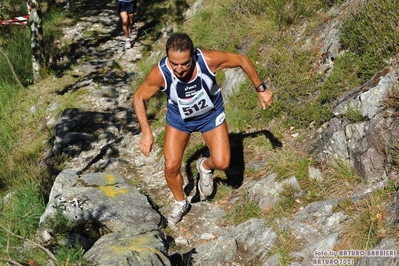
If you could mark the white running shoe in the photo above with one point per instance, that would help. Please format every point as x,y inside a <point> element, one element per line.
<point>128,44</point>
<point>205,183</point>
<point>177,212</point>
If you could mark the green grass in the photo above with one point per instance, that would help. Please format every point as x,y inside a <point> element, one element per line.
<point>23,135</point>
<point>16,46</point>
<point>24,208</point>
<point>354,114</point>
<point>71,256</point>
<point>12,8</point>
<point>366,224</point>
<point>258,29</point>
<point>7,95</point>
<point>20,214</point>
<point>302,97</point>
<point>283,247</point>
<point>392,99</point>
<point>223,191</point>
<point>370,32</point>
<point>242,211</point>
<point>290,162</point>
<point>338,181</point>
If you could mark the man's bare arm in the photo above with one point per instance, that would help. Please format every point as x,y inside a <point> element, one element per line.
<point>153,82</point>
<point>220,60</point>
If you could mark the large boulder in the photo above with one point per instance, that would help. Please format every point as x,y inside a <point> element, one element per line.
<point>129,247</point>
<point>366,144</point>
<point>102,208</point>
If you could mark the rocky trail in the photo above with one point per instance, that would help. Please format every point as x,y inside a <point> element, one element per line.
<point>108,92</point>
<point>101,135</point>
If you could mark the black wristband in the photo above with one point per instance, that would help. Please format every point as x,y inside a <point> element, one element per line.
<point>261,87</point>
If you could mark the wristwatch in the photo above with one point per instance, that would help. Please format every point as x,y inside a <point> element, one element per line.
<point>261,87</point>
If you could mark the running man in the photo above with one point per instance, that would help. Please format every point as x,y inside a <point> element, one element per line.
<point>195,103</point>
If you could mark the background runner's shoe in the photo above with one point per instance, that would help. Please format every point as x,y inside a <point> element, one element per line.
<point>128,45</point>
<point>205,183</point>
<point>177,212</point>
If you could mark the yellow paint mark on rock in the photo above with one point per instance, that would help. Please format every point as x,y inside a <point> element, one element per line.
<point>141,244</point>
<point>110,190</point>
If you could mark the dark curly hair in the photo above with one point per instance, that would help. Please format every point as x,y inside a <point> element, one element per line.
<point>180,42</point>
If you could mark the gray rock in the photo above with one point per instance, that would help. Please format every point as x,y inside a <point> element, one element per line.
<point>129,248</point>
<point>316,221</point>
<point>324,246</point>
<point>265,192</point>
<point>234,77</point>
<point>250,234</point>
<point>215,252</point>
<point>385,253</point>
<point>102,198</point>
<point>363,144</point>
<point>272,261</point>
<point>315,174</point>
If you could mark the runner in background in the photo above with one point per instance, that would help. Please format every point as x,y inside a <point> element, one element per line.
<point>126,9</point>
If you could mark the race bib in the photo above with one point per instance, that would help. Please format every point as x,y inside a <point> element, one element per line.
<point>197,105</point>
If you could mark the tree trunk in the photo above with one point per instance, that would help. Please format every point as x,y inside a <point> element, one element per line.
<point>35,24</point>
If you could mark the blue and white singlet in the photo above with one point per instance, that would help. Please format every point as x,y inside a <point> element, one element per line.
<point>196,105</point>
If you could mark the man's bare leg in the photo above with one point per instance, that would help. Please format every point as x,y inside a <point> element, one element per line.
<point>125,24</point>
<point>218,143</point>
<point>174,146</point>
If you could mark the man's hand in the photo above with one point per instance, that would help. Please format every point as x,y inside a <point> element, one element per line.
<point>146,142</point>
<point>266,98</point>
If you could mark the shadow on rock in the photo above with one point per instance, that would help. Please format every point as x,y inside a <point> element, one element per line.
<point>235,172</point>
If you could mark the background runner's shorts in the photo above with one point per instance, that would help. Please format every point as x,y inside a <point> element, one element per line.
<point>129,7</point>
